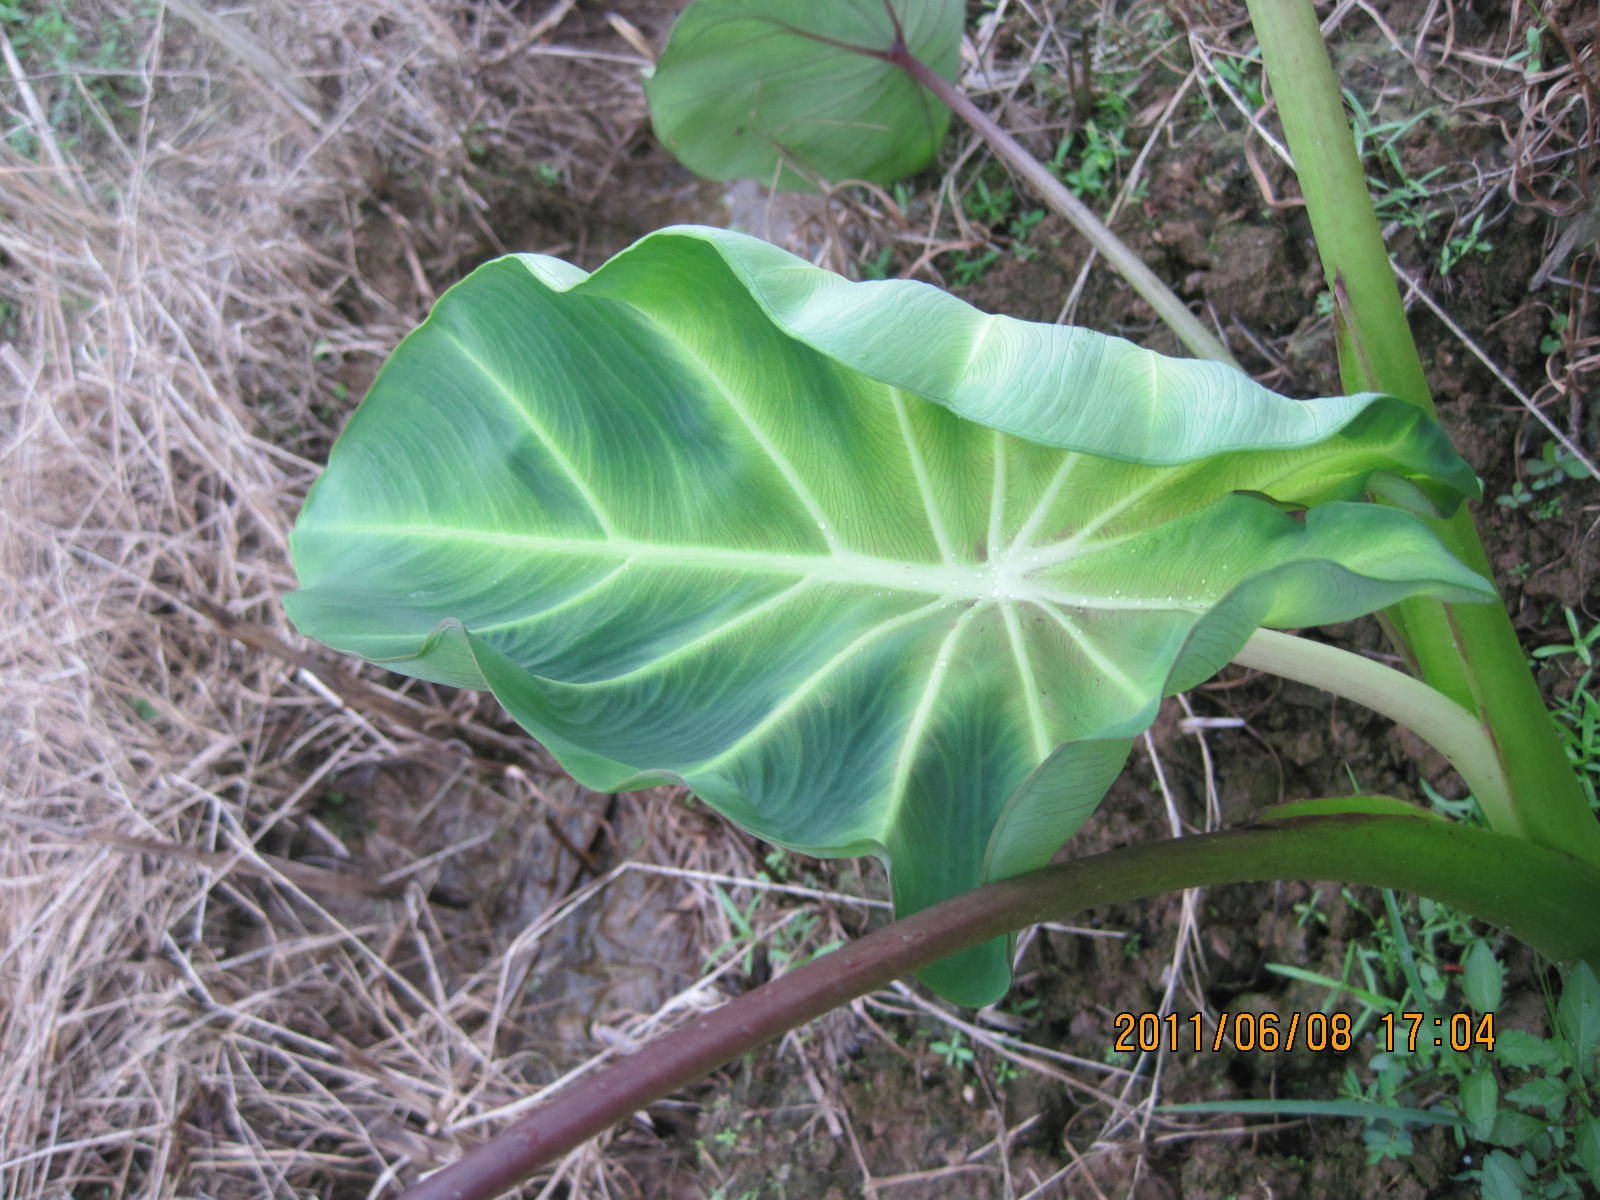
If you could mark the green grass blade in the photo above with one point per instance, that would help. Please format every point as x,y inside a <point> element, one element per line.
<point>1360,1110</point>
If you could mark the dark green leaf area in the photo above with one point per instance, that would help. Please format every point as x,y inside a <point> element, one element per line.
<point>681,540</point>
<point>1578,1012</point>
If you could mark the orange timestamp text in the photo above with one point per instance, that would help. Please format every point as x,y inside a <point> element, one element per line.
<point>1267,1032</point>
<point>1459,1031</point>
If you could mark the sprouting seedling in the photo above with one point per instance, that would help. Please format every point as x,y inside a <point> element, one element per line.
<point>1555,465</point>
<point>1582,644</point>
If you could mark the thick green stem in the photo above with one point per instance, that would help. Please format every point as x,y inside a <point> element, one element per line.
<point>1173,312</point>
<point>1430,714</point>
<point>1474,870</point>
<point>1467,651</point>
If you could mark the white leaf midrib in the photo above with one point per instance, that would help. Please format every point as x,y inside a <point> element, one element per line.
<point>1000,579</point>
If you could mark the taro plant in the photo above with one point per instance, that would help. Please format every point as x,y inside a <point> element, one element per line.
<point>873,572</point>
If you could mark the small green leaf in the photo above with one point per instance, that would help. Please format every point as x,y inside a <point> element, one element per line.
<point>1520,1050</point>
<point>1479,1101</point>
<point>1578,1012</point>
<point>1586,1149</point>
<point>1503,1177</point>
<point>1546,1092</point>
<point>1512,1128</point>
<point>1482,978</point>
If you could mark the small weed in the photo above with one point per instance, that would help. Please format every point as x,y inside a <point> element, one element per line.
<point>1458,248</point>
<point>878,268</point>
<point>1531,57</point>
<point>1554,341</point>
<point>743,922</point>
<point>954,1051</point>
<point>789,943</point>
<point>969,268</point>
<point>1578,713</point>
<point>995,208</point>
<point>786,945</point>
<point>1020,229</point>
<point>1516,497</point>
<point>1026,1008</point>
<point>988,206</point>
<point>1089,158</point>
<point>1098,148</point>
<point>1465,810</point>
<point>1405,202</point>
<point>1310,912</point>
<point>1554,466</point>
<point>1242,76</point>
<point>77,67</point>
<point>1581,645</point>
<point>1005,1071</point>
<point>1398,197</point>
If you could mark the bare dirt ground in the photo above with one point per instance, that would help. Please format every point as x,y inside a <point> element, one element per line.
<point>272,924</point>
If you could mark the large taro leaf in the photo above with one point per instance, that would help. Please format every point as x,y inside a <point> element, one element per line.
<point>711,514</point>
<point>772,90</point>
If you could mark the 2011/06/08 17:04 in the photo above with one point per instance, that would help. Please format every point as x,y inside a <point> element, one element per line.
<point>1315,1031</point>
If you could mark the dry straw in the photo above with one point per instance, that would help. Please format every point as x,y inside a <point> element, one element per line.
<point>214,224</point>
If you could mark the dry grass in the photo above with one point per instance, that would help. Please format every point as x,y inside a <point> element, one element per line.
<point>268,926</point>
<point>201,991</point>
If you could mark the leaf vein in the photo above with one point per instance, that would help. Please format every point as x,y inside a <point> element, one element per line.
<point>568,467</point>
<point>1094,654</point>
<point>1030,685</point>
<point>791,476</point>
<point>685,649</point>
<point>799,694</point>
<point>919,469</point>
<point>920,716</point>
